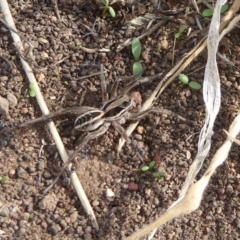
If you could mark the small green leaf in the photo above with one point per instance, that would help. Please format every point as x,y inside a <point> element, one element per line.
<point>159,174</point>
<point>151,164</point>
<point>207,12</point>
<point>145,168</point>
<point>4,179</point>
<point>136,49</point>
<point>105,2</point>
<point>32,90</point>
<point>183,78</point>
<point>179,33</point>
<point>181,30</point>
<point>195,85</point>
<point>32,93</point>
<point>224,8</point>
<point>31,85</point>
<point>112,12</point>
<point>137,69</point>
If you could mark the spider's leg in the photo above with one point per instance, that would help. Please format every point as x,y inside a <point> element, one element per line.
<point>121,131</point>
<point>139,80</point>
<point>140,115</point>
<point>71,110</point>
<point>114,90</point>
<point>89,137</point>
<point>137,116</point>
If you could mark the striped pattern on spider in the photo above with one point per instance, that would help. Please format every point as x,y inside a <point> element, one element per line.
<point>122,105</point>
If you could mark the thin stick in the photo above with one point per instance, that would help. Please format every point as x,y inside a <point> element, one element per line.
<point>44,109</point>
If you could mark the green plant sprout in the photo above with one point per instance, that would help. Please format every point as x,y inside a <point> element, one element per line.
<point>179,33</point>
<point>4,179</point>
<point>78,44</point>
<point>136,51</point>
<point>209,12</point>
<point>184,79</point>
<point>176,36</point>
<point>160,175</point>
<point>148,167</point>
<point>32,92</point>
<point>108,8</point>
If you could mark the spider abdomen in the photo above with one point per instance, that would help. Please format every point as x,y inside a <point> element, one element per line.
<point>89,121</point>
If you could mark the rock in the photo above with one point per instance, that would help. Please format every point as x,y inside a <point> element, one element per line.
<point>95,203</point>
<point>191,20</point>
<point>164,44</point>
<point>12,100</point>
<point>109,193</point>
<point>53,230</point>
<point>49,202</point>
<point>21,173</point>
<point>133,186</point>
<point>4,106</point>
<point>21,232</point>
<point>138,137</point>
<point>88,236</point>
<point>74,216</point>
<point>25,216</point>
<point>148,191</point>
<point>140,129</point>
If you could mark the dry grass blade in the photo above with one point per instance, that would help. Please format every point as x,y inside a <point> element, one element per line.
<point>191,201</point>
<point>143,19</point>
<point>195,5</point>
<point>232,138</point>
<point>179,67</point>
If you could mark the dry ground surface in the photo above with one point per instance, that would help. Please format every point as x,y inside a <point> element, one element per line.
<point>58,60</point>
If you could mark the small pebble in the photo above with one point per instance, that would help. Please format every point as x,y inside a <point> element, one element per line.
<point>138,137</point>
<point>95,203</point>
<point>191,20</point>
<point>12,100</point>
<point>49,202</point>
<point>4,106</point>
<point>74,216</point>
<point>21,173</point>
<point>148,191</point>
<point>109,193</point>
<point>140,129</point>
<point>133,186</point>
<point>53,230</point>
<point>22,231</point>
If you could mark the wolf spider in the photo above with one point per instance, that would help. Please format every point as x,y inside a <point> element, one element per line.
<point>122,105</point>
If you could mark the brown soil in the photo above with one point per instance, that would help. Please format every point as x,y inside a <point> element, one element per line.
<point>138,197</point>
